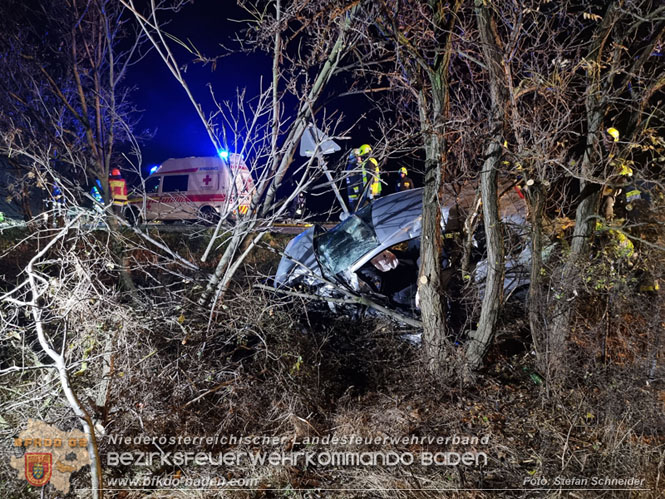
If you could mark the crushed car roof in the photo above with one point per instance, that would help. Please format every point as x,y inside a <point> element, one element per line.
<point>381,224</point>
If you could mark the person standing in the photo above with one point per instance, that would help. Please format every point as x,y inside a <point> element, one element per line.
<point>376,187</point>
<point>404,183</point>
<point>118,188</point>
<point>298,206</point>
<point>58,206</point>
<point>361,169</point>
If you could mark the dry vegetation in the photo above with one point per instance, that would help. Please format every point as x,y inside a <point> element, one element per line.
<point>123,331</point>
<point>283,367</point>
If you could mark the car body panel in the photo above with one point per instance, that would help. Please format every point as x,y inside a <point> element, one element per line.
<point>394,219</point>
<point>298,259</point>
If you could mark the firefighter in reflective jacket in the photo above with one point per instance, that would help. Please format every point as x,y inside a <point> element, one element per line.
<point>404,183</point>
<point>118,188</point>
<point>362,169</point>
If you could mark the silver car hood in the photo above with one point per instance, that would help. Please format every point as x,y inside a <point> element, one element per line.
<point>395,218</point>
<point>298,259</point>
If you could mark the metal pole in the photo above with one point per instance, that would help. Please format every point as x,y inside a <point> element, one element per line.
<point>324,167</point>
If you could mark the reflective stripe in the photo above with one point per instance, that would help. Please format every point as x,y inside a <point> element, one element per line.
<point>375,187</point>
<point>634,194</point>
<point>118,190</point>
<point>650,287</point>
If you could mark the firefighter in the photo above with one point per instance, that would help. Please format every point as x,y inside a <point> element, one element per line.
<point>376,186</point>
<point>96,194</point>
<point>298,206</point>
<point>404,183</point>
<point>362,169</point>
<point>58,206</point>
<point>118,188</point>
<point>637,202</point>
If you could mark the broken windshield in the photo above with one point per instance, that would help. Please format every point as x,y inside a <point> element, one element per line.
<point>342,246</point>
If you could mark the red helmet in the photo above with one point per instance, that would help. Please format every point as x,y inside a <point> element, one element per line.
<point>115,172</point>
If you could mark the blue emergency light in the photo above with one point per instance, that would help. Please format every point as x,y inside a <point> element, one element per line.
<point>223,154</point>
<point>153,169</point>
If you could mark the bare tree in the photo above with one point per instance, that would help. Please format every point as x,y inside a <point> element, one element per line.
<point>324,42</point>
<point>553,99</point>
<point>33,294</point>
<point>64,113</point>
<point>65,88</point>
<point>621,78</point>
<point>416,48</point>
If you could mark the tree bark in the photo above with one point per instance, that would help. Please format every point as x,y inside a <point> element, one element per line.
<point>563,308</point>
<point>481,338</point>
<point>432,302</point>
<point>536,200</point>
<point>433,113</point>
<point>595,103</point>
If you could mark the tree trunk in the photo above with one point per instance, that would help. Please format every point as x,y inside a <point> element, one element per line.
<point>432,302</point>
<point>481,338</point>
<point>536,201</point>
<point>595,103</point>
<point>215,281</point>
<point>433,115</point>
<point>563,308</point>
<point>584,227</point>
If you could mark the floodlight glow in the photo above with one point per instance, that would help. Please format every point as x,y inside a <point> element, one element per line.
<point>223,154</point>
<point>153,169</point>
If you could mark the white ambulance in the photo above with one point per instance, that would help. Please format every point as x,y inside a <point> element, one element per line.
<point>195,188</point>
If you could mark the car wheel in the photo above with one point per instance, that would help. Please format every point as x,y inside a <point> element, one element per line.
<point>209,215</point>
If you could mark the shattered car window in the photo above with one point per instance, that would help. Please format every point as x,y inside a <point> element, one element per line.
<point>343,245</point>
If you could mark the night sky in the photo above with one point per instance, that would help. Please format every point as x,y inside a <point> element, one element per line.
<point>169,115</point>
<point>167,112</point>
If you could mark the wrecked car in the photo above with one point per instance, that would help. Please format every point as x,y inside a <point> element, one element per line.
<point>375,252</point>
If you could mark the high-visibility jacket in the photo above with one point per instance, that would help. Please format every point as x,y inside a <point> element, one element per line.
<point>118,188</point>
<point>375,187</point>
<point>632,196</point>
<point>358,176</point>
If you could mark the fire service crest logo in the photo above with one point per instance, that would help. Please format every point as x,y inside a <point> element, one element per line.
<point>38,468</point>
<point>44,454</point>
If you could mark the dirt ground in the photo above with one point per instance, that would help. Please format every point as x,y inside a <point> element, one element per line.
<point>284,380</point>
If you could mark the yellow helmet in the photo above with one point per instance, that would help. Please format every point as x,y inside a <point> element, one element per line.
<point>402,171</point>
<point>364,149</point>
